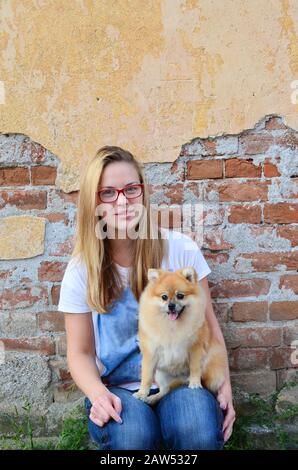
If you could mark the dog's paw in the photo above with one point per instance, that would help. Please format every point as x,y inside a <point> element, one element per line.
<point>140,396</point>
<point>152,399</point>
<point>195,384</point>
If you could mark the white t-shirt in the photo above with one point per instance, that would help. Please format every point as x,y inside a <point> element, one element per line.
<point>183,251</point>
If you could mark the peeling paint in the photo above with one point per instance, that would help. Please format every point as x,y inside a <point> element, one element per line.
<point>145,75</point>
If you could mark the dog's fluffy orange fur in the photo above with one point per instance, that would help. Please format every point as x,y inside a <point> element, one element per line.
<point>175,338</point>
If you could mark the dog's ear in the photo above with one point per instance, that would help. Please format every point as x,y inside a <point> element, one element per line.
<point>190,274</point>
<point>153,274</point>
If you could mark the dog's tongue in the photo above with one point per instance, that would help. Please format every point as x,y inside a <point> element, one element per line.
<point>173,316</point>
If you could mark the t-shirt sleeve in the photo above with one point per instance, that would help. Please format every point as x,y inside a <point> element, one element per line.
<point>193,256</point>
<point>73,289</point>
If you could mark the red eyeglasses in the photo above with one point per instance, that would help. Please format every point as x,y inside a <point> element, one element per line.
<point>112,194</point>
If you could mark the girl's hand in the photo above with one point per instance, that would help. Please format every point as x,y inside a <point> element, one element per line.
<point>107,405</point>
<point>224,397</point>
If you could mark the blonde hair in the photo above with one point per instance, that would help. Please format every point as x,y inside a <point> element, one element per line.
<point>103,279</point>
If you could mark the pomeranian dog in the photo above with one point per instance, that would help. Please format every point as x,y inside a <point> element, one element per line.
<point>175,339</point>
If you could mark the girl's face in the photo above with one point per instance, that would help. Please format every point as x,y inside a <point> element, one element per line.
<point>124,213</point>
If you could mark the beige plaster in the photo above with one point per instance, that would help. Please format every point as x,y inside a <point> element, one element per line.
<point>145,75</point>
<point>21,237</point>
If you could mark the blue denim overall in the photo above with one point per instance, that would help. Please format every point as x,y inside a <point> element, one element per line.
<point>119,342</point>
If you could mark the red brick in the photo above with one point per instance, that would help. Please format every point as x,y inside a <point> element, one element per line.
<point>214,240</point>
<point>232,191</point>
<point>24,200</point>
<point>61,346</point>
<point>174,193</point>
<point>244,214</point>
<point>170,194</point>
<point>275,123</point>
<point>22,297</point>
<point>261,382</point>
<point>60,369</point>
<point>253,144</point>
<point>270,170</point>
<point>290,233</point>
<point>257,337</point>
<point>39,344</point>
<point>213,216</point>
<point>193,187</point>
<point>37,152</point>
<point>14,176</point>
<point>6,274</point>
<point>290,139</point>
<point>43,175</point>
<point>69,198</point>
<point>268,262</point>
<point>54,217</point>
<point>204,169</point>
<point>50,321</point>
<point>179,172</point>
<point>281,358</point>
<point>290,334</point>
<point>154,188</point>
<point>221,311</point>
<point>281,213</point>
<point>216,258</point>
<point>63,249</point>
<point>242,168</point>
<point>284,310</point>
<point>174,167</point>
<point>51,271</point>
<point>210,146</point>
<point>55,294</point>
<point>239,288</point>
<point>249,311</point>
<point>64,374</point>
<point>290,282</point>
<point>249,358</point>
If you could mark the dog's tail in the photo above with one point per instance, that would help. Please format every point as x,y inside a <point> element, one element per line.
<point>213,374</point>
<point>176,383</point>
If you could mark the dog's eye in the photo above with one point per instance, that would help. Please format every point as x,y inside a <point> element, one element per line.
<point>180,296</point>
<point>164,297</point>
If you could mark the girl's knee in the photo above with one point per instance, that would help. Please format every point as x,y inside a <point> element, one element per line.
<point>114,436</point>
<point>191,419</point>
<point>192,436</point>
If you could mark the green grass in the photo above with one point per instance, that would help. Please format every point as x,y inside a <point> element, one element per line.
<point>74,434</point>
<point>263,413</point>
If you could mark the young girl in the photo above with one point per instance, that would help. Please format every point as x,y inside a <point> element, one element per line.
<point>116,242</point>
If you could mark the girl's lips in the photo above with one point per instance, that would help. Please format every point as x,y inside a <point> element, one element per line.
<point>125,214</point>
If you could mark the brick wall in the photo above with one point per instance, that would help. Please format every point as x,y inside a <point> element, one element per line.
<point>247,185</point>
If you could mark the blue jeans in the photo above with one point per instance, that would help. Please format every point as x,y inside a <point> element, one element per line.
<point>184,419</point>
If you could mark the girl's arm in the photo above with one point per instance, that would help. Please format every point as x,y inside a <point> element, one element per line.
<point>81,354</point>
<point>225,392</point>
<point>83,369</point>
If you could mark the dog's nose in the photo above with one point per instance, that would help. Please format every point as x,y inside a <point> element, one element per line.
<point>172,306</point>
